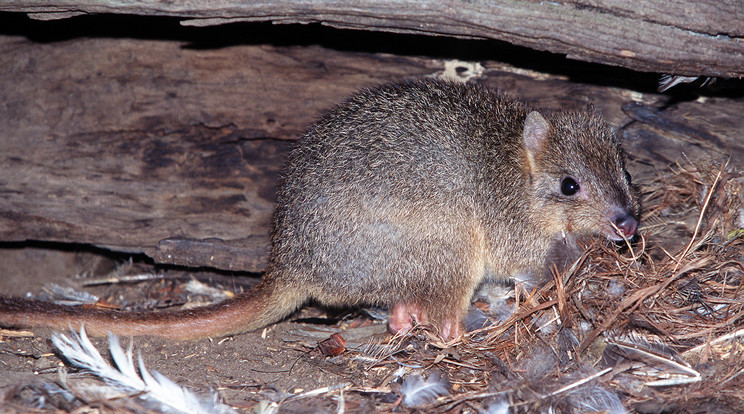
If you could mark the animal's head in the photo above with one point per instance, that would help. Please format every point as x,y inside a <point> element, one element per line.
<point>578,176</point>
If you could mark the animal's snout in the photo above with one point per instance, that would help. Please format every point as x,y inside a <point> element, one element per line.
<point>626,225</point>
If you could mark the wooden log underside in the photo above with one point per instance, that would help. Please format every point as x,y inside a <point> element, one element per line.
<point>692,38</point>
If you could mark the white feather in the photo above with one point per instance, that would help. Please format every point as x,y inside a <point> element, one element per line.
<point>596,399</point>
<point>500,406</point>
<point>417,391</point>
<point>154,388</point>
<point>399,373</point>
<point>669,81</point>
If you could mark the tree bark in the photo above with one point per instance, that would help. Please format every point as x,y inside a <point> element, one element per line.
<point>148,147</point>
<point>692,38</point>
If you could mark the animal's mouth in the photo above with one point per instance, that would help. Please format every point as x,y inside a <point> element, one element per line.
<point>622,227</point>
<point>616,237</point>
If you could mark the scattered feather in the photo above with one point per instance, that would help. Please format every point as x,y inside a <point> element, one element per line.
<point>399,373</point>
<point>39,396</point>
<point>476,319</point>
<point>114,279</point>
<point>67,296</point>
<point>266,407</point>
<point>499,406</point>
<point>596,399</point>
<point>655,362</point>
<point>495,293</point>
<point>319,391</point>
<point>196,287</point>
<point>538,364</point>
<point>616,288</point>
<point>153,387</point>
<point>341,408</point>
<point>380,314</point>
<point>669,81</point>
<point>417,391</point>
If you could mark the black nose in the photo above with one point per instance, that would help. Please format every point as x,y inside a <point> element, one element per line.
<point>626,224</point>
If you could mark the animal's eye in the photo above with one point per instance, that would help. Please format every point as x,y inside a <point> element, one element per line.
<point>569,186</point>
<point>627,178</point>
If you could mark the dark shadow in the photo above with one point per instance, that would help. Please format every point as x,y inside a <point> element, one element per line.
<point>232,34</point>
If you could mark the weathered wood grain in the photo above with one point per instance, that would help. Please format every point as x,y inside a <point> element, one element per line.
<point>683,38</point>
<point>137,145</point>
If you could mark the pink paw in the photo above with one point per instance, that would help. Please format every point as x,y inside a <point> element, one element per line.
<point>450,329</point>
<point>403,316</point>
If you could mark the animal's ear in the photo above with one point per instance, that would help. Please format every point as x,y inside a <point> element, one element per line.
<point>535,133</point>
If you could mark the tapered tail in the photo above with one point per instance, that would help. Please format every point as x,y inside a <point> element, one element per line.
<point>260,306</point>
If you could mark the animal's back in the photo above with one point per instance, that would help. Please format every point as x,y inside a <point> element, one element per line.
<point>383,201</point>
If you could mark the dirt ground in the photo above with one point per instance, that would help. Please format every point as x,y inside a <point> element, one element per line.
<point>243,369</point>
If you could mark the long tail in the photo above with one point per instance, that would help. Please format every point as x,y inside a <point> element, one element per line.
<point>260,306</point>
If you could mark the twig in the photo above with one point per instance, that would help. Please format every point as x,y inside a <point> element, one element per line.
<point>578,383</point>
<point>737,334</point>
<point>700,219</point>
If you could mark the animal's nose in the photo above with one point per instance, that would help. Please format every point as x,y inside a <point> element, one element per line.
<point>626,224</point>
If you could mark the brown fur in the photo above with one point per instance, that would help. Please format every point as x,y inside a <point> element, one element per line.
<point>409,196</point>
